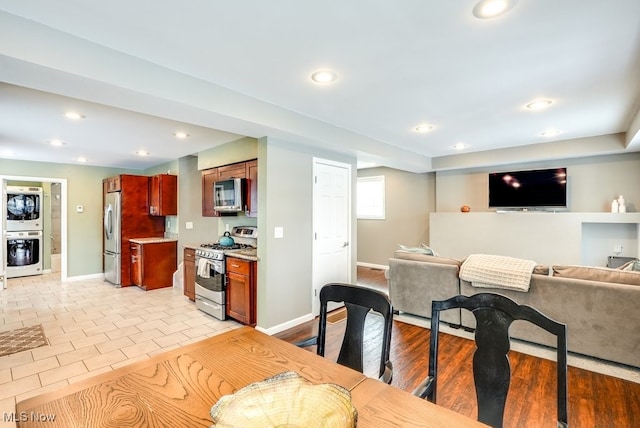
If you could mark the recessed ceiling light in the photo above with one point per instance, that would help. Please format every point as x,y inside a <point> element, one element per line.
<point>491,8</point>
<point>56,142</point>
<point>460,146</point>
<point>181,135</point>
<point>550,133</point>
<point>83,159</point>
<point>423,128</point>
<point>74,115</point>
<point>539,104</point>
<point>324,76</point>
<point>142,153</point>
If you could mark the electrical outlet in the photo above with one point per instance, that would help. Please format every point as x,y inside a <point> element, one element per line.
<point>617,248</point>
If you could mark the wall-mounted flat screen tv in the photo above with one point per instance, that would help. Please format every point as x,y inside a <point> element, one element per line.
<point>541,188</point>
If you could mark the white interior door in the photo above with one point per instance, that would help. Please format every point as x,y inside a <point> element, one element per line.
<point>331,225</point>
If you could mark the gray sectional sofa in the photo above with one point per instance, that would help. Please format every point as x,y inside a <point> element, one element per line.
<point>600,306</point>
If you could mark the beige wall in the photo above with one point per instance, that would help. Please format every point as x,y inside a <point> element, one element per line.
<point>577,236</point>
<point>236,151</point>
<point>592,183</point>
<point>409,198</point>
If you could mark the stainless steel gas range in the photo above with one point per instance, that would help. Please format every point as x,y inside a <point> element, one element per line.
<point>210,270</point>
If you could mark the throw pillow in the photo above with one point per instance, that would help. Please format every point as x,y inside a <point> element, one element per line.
<point>420,250</point>
<point>633,265</point>
<point>417,257</point>
<point>429,248</point>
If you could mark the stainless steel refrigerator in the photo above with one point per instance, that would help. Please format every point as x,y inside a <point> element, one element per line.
<point>112,238</point>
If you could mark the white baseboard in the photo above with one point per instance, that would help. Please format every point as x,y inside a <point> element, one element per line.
<point>372,265</point>
<point>285,326</point>
<point>84,277</point>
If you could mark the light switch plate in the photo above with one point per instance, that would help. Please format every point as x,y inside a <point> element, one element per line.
<point>189,225</point>
<point>278,232</point>
<point>79,208</point>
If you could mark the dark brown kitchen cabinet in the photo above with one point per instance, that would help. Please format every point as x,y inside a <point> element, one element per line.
<point>189,269</point>
<point>153,263</point>
<point>112,184</point>
<point>252,191</point>
<point>163,195</point>
<point>248,170</point>
<point>134,220</point>
<point>235,170</point>
<point>209,176</point>
<point>241,290</point>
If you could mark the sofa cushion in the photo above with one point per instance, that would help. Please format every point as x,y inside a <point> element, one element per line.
<point>425,258</point>
<point>597,274</point>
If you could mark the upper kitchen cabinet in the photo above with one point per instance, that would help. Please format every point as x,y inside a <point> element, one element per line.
<point>252,191</point>
<point>163,195</point>
<point>209,176</point>
<point>236,170</point>
<point>247,169</point>
<point>112,184</point>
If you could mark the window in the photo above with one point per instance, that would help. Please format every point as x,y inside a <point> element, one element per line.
<point>370,197</point>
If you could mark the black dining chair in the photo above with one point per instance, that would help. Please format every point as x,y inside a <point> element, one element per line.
<point>494,314</point>
<point>358,301</point>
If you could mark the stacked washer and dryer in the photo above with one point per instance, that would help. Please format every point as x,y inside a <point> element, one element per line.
<point>23,235</point>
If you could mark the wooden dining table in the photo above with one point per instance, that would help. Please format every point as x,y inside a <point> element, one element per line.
<point>179,387</point>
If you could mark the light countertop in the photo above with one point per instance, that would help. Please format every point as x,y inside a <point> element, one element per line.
<point>155,240</point>
<point>247,254</point>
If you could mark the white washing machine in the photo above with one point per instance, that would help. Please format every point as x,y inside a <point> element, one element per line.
<point>23,253</point>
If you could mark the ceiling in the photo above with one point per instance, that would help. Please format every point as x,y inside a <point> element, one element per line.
<point>141,71</point>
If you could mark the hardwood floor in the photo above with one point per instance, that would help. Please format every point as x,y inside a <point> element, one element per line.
<point>595,400</point>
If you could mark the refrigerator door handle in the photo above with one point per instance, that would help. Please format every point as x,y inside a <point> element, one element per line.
<point>108,222</point>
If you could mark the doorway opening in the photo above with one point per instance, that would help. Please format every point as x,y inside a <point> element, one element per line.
<point>55,231</point>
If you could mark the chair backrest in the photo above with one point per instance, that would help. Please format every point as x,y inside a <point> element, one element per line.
<point>358,302</point>
<point>494,314</point>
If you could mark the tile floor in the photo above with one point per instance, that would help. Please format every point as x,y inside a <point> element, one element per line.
<point>92,328</point>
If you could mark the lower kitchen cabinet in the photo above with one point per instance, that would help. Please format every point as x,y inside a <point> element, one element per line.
<point>241,290</point>
<point>153,263</point>
<point>189,268</point>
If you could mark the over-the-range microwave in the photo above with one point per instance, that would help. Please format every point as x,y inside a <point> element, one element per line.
<point>230,195</point>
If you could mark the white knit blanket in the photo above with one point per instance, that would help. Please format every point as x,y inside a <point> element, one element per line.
<point>489,271</point>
